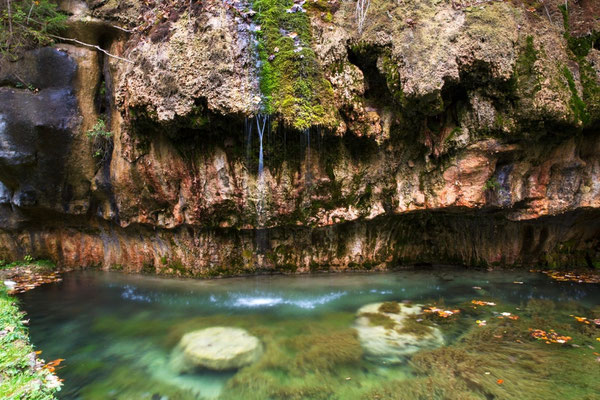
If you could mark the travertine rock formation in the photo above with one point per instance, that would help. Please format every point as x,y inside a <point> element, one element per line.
<point>444,132</point>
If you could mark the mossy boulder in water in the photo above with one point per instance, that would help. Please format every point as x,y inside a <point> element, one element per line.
<point>217,348</point>
<point>389,334</point>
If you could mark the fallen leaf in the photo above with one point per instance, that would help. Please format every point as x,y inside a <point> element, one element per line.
<point>549,337</point>
<point>483,303</point>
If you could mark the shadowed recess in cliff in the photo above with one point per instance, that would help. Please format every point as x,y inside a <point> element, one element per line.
<point>254,173</point>
<point>473,239</point>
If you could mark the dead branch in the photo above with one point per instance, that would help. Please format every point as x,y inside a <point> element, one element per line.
<point>92,46</point>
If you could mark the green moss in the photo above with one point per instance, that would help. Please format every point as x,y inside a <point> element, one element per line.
<point>28,261</point>
<point>577,105</point>
<point>291,80</point>
<point>327,351</point>
<point>136,387</point>
<point>18,380</point>
<point>540,306</point>
<point>314,266</point>
<point>591,89</point>
<point>526,75</point>
<point>177,267</point>
<point>453,133</point>
<point>379,319</point>
<point>392,307</point>
<point>587,108</point>
<point>580,46</point>
<point>392,77</point>
<point>491,184</point>
<point>148,268</point>
<point>412,326</point>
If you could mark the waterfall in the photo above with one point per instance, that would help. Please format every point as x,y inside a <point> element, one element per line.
<point>261,239</point>
<point>261,123</point>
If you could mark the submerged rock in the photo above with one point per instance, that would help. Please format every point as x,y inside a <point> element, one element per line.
<point>217,348</point>
<point>389,332</point>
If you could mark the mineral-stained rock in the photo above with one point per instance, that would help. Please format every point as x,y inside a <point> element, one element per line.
<point>43,160</point>
<point>467,133</point>
<point>217,348</point>
<point>385,335</point>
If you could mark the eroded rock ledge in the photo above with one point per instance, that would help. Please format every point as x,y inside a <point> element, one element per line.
<point>443,132</point>
<point>387,242</point>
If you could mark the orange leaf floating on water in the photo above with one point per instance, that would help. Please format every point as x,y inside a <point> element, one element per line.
<point>441,312</point>
<point>500,381</point>
<point>549,337</point>
<point>508,315</point>
<point>572,277</point>
<point>483,303</point>
<point>587,321</point>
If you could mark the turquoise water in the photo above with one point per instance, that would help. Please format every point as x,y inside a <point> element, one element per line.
<point>117,332</point>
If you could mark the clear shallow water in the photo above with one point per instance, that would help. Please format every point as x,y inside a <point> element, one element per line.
<point>117,333</point>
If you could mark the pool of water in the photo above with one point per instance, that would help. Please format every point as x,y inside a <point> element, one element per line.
<point>117,334</point>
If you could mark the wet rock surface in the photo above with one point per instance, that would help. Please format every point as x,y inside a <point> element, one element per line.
<point>217,348</point>
<point>390,332</point>
<point>39,119</point>
<point>477,123</point>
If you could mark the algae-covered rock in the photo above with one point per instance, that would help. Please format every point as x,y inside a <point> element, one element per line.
<point>217,348</point>
<point>389,334</point>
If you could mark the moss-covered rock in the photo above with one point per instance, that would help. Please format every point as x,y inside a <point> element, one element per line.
<point>291,77</point>
<point>389,334</point>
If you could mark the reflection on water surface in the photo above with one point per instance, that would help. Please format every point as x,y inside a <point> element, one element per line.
<point>118,334</point>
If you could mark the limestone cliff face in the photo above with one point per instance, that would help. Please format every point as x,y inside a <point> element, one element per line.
<point>440,132</point>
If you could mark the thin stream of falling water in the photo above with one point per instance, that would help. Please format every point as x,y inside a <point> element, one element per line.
<point>261,123</point>
<point>261,180</point>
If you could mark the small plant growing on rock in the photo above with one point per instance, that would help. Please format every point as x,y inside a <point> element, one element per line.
<point>101,138</point>
<point>492,184</point>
